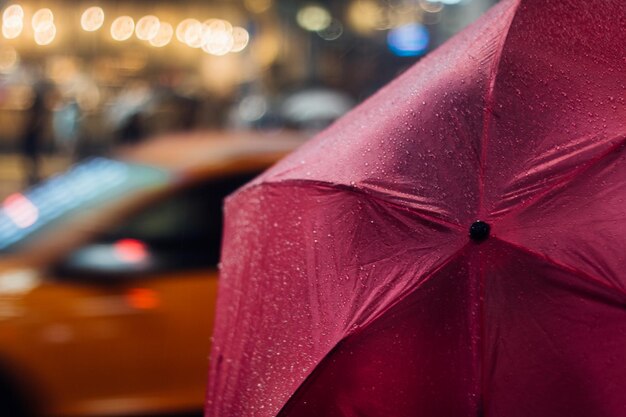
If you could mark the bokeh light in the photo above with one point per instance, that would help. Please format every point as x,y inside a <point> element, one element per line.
<point>13,13</point>
<point>122,28</point>
<point>241,37</point>
<point>365,16</point>
<point>182,27</point>
<point>12,21</point>
<point>46,36</point>
<point>131,250</point>
<point>313,18</point>
<point>408,40</point>
<point>143,298</point>
<point>193,34</point>
<point>257,6</point>
<point>431,6</point>
<point>12,30</point>
<point>218,41</point>
<point>92,19</point>
<point>8,59</point>
<point>20,210</point>
<point>147,27</point>
<point>332,32</point>
<point>163,36</point>
<point>42,20</point>
<point>217,25</point>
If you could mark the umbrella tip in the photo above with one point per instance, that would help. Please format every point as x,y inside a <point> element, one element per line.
<point>479,231</point>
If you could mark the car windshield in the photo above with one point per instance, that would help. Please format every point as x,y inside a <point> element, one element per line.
<point>86,185</point>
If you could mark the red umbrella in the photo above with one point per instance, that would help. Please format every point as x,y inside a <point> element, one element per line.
<point>357,281</point>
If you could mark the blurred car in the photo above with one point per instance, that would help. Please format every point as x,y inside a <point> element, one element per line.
<point>108,277</point>
<point>310,110</point>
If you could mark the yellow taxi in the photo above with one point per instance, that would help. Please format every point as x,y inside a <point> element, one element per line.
<point>108,277</point>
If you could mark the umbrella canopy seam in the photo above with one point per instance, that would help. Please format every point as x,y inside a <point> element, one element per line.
<point>369,193</point>
<point>564,267</point>
<point>356,330</point>
<point>489,103</point>
<point>571,177</point>
<point>410,291</point>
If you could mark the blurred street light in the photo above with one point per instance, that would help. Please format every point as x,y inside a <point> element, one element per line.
<point>163,36</point>
<point>217,42</point>
<point>46,36</point>
<point>332,32</point>
<point>193,34</point>
<point>122,28</point>
<point>365,16</point>
<point>12,21</point>
<point>257,6</point>
<point>92,19</point>
<point>217,25</point>
<point>42,20</point>
<point>147,27</point>
<point>408,40</point>
<point>313,18</point>
<point>13,16</point>
<point>431,6</point>
<point>12,30</point>
<point>8,59</point>
<point>241,37</point>
<point>183,26</point>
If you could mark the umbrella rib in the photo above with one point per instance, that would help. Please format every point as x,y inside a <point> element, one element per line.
<point>410,291</point>
<point>417,213</point>
<point>370,194</point>
<point>489,103</point>
<point>564,267</point>
<point>355,331</point>
<point>567,179</point>
<point>484,397</point>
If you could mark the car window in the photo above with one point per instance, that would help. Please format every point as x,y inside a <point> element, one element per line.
<point>184,229</point>
<point>85,187</point>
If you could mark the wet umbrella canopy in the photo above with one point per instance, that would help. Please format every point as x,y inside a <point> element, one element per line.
<point>455,246</point>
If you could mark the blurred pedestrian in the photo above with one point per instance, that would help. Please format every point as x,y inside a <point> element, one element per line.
<point>132,130</point>
<point>32,137</point>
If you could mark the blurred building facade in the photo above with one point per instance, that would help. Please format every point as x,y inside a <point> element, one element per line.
<point>108,72</point>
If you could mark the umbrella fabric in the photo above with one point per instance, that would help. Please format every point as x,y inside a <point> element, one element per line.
<point>351,285</point>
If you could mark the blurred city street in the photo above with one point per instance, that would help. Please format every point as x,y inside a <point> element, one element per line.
<point>123,127</point>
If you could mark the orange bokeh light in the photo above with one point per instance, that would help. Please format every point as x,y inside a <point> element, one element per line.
<point>131,250</point>
<point>143,298</point>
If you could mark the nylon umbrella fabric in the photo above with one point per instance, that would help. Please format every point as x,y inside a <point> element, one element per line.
<point>350,284</point>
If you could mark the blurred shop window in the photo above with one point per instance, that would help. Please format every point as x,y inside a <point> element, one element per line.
<point>184,229</point>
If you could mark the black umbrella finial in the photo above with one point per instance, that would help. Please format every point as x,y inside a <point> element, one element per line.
<point>479,231</point>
